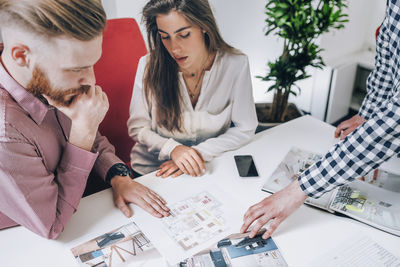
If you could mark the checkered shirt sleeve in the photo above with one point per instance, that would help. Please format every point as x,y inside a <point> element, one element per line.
<point>378,139</point>
<point>380,80</point>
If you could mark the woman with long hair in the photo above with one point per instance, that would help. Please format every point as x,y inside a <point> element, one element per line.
<point>192,98</point>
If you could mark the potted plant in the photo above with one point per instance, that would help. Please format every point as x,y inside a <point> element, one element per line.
<point>299,23</point>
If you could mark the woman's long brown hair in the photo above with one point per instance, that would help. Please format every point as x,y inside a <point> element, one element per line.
<point>161,81</point>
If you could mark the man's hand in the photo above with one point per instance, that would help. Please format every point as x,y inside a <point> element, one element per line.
<point>276,207</point>
<point>188,160</point>
<point>169,168</point>
<point>347,127</point>
<point>86,112</point>
<point>125,191</point>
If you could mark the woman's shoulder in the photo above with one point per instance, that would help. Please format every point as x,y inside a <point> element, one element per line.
<point>142,64</point>
<point>234,57</point>
<point>144,59</point>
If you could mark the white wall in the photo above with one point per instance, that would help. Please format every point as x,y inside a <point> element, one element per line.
<point>242,25</point>
<point>244,31</point>
<point>359,32</point>
<point>111,8</point>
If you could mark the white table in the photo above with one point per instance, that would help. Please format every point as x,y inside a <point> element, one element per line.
<point>309,232</point>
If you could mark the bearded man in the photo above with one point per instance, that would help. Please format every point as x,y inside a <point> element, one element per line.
<point>50,110</point>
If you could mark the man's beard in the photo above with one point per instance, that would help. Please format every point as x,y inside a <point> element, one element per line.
<point>39,85</point>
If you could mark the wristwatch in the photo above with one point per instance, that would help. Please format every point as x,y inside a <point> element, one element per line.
<point>118,169</point>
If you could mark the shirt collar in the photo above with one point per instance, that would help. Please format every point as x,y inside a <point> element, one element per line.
<point>31,104</point>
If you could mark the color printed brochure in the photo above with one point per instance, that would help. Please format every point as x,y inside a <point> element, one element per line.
<point>124,246</point>
<point>238,250</point>
<point>373,199</point>
<point>367,203</point>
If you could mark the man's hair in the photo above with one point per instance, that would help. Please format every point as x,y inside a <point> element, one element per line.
<point>80,19</point>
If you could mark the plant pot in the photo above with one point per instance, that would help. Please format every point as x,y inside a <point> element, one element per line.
<point>263,110</point>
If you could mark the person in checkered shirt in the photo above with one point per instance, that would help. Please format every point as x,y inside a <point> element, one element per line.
<point>367,139</point>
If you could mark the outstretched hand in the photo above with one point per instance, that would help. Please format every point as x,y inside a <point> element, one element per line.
<point>274,209</point>
<point>126,191</point>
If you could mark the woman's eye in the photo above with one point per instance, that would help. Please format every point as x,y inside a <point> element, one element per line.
<point>76,71</point>
<point>185,35</point>
<point>164,37</point>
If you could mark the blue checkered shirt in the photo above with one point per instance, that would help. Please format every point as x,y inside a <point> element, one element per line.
<point>378,139</point>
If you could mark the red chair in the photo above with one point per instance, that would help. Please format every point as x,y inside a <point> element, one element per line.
<point>377,32</point>
<point>123,46</point>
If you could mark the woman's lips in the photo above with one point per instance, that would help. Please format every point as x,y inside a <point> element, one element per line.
<point>180,59</point>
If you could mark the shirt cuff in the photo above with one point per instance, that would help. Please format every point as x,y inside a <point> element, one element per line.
<point>76,157</point>
<point>165,152</point>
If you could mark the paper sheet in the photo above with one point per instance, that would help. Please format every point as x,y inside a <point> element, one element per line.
<point>199,218</point>
<point>358,252</point>
<point>124,246</point>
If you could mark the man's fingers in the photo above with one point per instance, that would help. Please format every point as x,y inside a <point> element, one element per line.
<point>258,225</point>
<point>347,132</point>
<point>149,208</point>
<point>160,199</point>
<point>342,126</point>
<point>271,228</point>
<point>155,205</point>
<point>252,214</point>
<point>338,131</point>
<point>120,203</point>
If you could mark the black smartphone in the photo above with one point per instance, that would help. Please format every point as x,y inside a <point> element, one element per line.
<point>246,166</point>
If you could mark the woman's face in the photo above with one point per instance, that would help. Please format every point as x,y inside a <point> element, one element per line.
<point>183,40</point>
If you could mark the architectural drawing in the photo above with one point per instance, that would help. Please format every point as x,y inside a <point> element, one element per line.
<point>194,220</point>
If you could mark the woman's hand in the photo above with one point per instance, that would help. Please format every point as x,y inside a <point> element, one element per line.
<point>188,160</point>
<point>169,168</point>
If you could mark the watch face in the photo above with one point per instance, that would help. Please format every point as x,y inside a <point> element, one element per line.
<point>118,169</point>
<point>121,169</point>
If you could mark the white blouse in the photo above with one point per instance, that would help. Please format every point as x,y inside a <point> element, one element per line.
<point>223,119</point>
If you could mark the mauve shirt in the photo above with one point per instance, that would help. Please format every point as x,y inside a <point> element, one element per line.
<point>42,175</point>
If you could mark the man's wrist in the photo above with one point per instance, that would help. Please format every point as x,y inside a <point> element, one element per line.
<point>119,169</point>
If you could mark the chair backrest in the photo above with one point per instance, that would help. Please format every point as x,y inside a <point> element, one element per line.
<point>123,46</point>
<point>377,32</point>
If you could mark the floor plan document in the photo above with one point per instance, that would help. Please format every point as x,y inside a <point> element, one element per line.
<point>373,199</point>
<point>199,218</point>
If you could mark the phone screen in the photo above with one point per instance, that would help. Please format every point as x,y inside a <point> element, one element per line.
<point>246,166</point>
